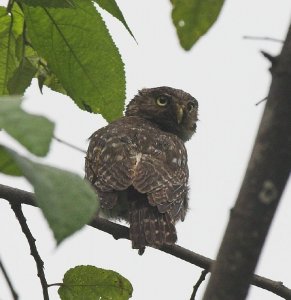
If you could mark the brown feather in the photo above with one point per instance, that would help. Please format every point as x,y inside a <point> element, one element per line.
<point>138,164</point>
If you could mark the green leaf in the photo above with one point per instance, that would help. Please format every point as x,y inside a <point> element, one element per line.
<point>32,131</point>
<point>7,164</point>
<point>49,79</point>
<point>91,283</point>
<point>21,78</point>
<point>11,27</point>
<point>80,52</point>
<point>49,3</point>
<point>193,18</point>
<point>66,200</point>
<point>42,72</point>
<point>111,7</point>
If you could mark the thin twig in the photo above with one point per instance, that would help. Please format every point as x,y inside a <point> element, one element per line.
<point>16,207</point>
<point>11,288</point>
<point>259,102</point>
<point>262,38</point>
<point>55,284</point>
<point>198,283</point>
<point>18,196</point>
<point>69,144</point>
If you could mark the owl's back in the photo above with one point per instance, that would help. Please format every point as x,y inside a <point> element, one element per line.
<point>140,174</point>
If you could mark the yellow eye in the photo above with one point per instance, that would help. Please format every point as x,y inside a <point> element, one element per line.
<point>162,101</point>
<point>190,106</point>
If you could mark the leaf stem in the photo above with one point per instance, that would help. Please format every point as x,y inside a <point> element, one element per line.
<point>10,5</point>
<point>55,284</point>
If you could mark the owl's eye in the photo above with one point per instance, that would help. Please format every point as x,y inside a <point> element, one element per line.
<point>190,106</point>
<point>162,100</point>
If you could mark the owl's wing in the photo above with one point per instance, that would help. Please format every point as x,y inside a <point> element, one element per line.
<point>108,166</point>
<point>164,183</point>
<point>114,162</point>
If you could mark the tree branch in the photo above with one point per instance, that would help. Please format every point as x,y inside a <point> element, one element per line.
<point>265,179</point>
<point>198,283</point>
<point>17,196</point>
<point>16,207</point>
<point>69,144</point>
<point>12,290</point>
<point>262,100</point>
<point>262,38</point>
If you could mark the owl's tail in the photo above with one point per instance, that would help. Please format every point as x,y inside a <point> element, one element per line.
<point>149,227</point>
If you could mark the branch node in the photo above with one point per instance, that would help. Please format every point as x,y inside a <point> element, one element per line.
<point>271,58</point>
<point>198,283</point>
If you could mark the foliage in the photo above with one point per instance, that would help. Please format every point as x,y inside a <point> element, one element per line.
<point>193,18</point>
<point>90,283</point>
<point>7,165</point>
<point>66,200</point>
<point>93,79</point>
<point>11,31</point>
<point>66,45</point>
<point>11,114</point>
<point>113,9</point>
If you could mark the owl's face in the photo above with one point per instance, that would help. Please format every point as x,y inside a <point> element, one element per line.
<point>172,110</point>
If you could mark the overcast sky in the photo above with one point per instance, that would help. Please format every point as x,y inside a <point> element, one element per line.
<point>227,75</point>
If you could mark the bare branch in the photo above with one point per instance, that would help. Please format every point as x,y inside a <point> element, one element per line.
<point>69,144</point>
<point>265,179</point>
<point>18,196</point>
<point>198,283</point>
<point>12,290</point>
<point>262,38</point>
<point>16,207</point>
<point>259,102</point>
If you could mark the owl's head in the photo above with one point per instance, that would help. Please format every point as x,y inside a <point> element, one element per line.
<point>172,110</point>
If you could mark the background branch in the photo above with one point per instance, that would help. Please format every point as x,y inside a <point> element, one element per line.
<point>262,38</point>
<point>198,283</point>
<point>69,144</point>
<point>18,196</point>
<point>16,207</point>
<point>265,179</point>
<point>12,290</point>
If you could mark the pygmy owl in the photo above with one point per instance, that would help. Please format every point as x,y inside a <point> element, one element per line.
<point>138,164</point>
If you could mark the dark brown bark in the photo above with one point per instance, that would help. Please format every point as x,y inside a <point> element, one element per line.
<point>261,190</point>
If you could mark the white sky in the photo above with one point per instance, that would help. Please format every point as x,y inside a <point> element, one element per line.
<point>227,75</point>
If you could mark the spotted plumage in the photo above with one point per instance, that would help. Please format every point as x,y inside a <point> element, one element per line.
<point>138,164</point>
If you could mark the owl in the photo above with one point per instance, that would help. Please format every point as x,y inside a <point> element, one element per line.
<point>138,165</point>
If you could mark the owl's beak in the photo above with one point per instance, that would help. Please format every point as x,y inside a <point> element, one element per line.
<point>180,113</point>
